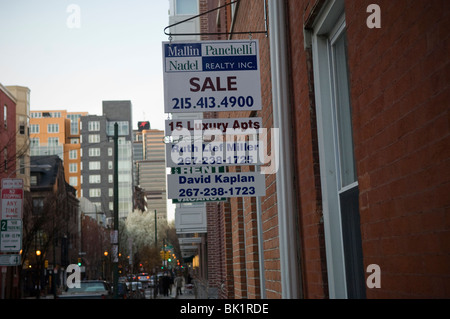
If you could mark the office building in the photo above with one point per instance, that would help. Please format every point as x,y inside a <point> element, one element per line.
<point>97,158</point>
<point>150,165</point>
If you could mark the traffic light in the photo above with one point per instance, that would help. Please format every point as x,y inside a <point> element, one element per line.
<point>79,262</point>
<point>161,253</point>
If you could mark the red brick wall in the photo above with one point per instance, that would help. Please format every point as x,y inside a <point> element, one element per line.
<point>250,17</point>
<point>399,85</point>
<point>399,77</point>
<point>7,135</point>
<point>309,198</point>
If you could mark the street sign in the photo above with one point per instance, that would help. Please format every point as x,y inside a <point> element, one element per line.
<point>10,235</point>
<point>12,183</point>
<point>211,76</point>
<point>225,125</point>
<point>9,260</point>
<point>12,198</point>
<point>216,185</point>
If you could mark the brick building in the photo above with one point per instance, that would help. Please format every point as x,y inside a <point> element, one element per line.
<point>360,95</point>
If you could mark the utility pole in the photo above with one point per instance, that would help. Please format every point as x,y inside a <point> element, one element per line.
<point>115,237</point>
<point>156,232</point>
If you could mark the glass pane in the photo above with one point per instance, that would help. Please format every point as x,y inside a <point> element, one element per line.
<point>186,7</point>
<point>343,113</point>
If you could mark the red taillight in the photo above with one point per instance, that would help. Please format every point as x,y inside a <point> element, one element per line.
<point>139,278</point>
<point>148,277</point>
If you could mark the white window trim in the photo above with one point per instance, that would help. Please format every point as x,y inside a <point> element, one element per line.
<point>331,18</point>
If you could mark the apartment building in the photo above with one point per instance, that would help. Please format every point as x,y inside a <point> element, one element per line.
<point>8,132</point>
<point>97,158</point>
<point>56,132</point>
<point>22,137</point>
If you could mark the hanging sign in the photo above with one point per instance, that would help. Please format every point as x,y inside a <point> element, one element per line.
<point>216,185</point>
<point>211,76</point>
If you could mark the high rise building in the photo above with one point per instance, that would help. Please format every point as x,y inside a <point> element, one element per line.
<point>97,157</point>
<point>56,133</point>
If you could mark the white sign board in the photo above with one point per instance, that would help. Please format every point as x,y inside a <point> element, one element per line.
<point>211,76</point>
<point>216,185</point>
<point>11,235</point>
<point>12,198</point>
<point>10,260</point>
<point>213,153</point>
<point>225,126</point>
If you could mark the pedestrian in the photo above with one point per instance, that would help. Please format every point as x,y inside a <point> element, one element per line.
<point>166,283</point>
<point>179,283</point>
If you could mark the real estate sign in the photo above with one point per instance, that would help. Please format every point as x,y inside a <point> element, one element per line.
<point>211,76</point>
<point>216,185</point>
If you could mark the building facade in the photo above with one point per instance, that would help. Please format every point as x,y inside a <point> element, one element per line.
<point>57,133</point>
<point>97,157</point>
<point>8,132</point>
<point>358,207</point>
<point>22,95</point>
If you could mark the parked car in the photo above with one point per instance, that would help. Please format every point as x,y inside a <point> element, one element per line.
<point>144,278</point>
<point>89,289</point>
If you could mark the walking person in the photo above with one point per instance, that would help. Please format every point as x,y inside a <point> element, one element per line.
<point>178,284</point>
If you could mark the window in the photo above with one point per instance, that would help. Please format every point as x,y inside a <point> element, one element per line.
<point>93,126</point>
<point>94,165</point>
<point>94,179</point>
<point>73,154</point>
<point>186,7</point>
<point>110,178</point>
<point>52,128</point>
<point>53,141</point>
<point>34,141</point>
<point>73,181</point>
<point>38,205</point>
<point>110,165</point>
<point>34,128</point>
<point>94,138</point>
<point>73,168</point>
<point>33,180</point>
<point>122,128</point>
<point>95,192</point>
<point>337,163</point>
<point>22,124</point>
<point>110,151</point>
<point>5,115</point>
<point>5,158</point>
<point>94,151</point>
<point>22,165</point>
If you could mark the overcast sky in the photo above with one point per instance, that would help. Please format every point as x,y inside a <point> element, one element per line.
<point>114,53</point>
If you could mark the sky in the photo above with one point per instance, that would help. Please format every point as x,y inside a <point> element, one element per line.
<point>74,54</point>
<point>111,50</point>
